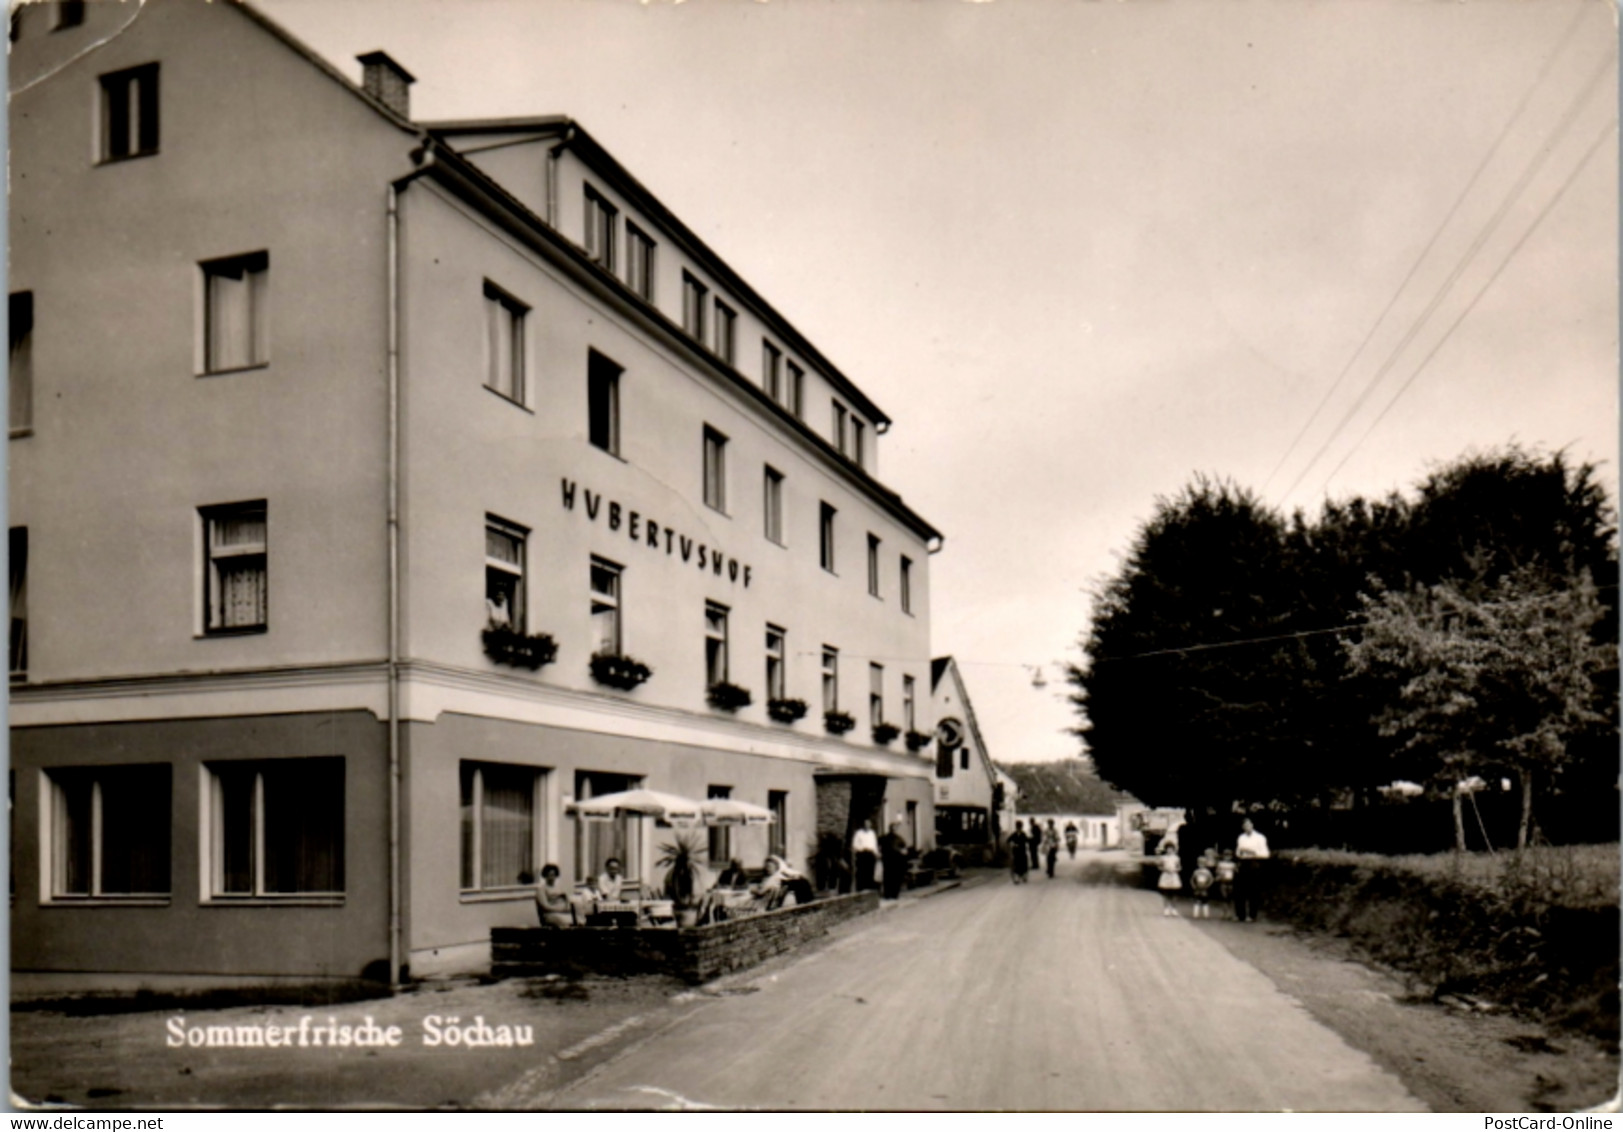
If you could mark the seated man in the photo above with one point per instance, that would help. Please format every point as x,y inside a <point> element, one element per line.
<point>609,885</point>
<point>553,900</point>
<point>730,890</point>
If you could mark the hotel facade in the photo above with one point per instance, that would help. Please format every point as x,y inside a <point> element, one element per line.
<point>380,487</point>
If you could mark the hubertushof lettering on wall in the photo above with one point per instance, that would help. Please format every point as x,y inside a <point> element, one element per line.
<point>648,532</point>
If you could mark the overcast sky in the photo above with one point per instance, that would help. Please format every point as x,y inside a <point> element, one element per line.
<point>1080,251</point>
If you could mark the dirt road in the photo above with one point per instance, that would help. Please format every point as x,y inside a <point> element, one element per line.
<point>1052,995</point>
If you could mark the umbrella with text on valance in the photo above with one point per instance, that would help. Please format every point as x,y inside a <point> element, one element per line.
<point>670,808</point>
<point>730,811</point>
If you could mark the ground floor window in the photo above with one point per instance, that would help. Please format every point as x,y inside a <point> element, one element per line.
<point>276,827</point>
<point>597,841</point>
<point>721,836</point>
<point>108,831</point>
<point>501,828</point>
<point>961,825</point>
<point>778,832</point>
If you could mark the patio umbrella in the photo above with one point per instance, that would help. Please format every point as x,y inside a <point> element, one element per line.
<point>730,811</point>
<point>676,810</point>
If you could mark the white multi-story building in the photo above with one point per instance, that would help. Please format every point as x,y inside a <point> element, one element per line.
<point>327,427</point>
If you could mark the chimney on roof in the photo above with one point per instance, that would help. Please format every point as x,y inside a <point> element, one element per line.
<point>386,81</point>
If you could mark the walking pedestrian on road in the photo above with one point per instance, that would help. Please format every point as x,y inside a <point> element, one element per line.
<point>1051,846</point>
<point>1070,839</point>
<point>1017,854</point>
<point>1170,882</point>
<point>1251,849</point>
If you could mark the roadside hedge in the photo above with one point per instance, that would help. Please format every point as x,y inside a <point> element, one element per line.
<point>1538,932</point>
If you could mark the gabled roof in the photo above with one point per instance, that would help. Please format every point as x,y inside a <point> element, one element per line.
<point>939,667</point>
<point>575,135</point>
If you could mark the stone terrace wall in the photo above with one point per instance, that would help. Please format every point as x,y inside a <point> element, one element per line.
<point>695,955</point>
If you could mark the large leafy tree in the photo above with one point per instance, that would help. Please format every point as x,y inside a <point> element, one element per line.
<point>1500,681</point>
<point>1174,715</point>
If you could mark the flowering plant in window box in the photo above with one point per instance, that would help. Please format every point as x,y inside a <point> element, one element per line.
<point>918,740</point>
<point>622,672</point>
<point>506,645</point>
<point>885,732</point>
<point>838,722</point>
<point>727,697</point>
<point>786,711</point>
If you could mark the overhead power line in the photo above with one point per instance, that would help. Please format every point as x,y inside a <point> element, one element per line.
<point>1414,268</point>
<point>1541,155</point>
<point>1432,353</point>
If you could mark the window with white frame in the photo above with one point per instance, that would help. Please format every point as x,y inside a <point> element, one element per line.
<point>107,831</point>
<point>772,371</point>
<point>876,694</point>
<point>837,430</point>
<point>18,569</point>
<point>693,306</point>
<point>501,824</point>
<point>603,403</point>
<point>721,837</point>
<point>20,329</point>
<point>640,262</point>
<point>772,504</point>
<point>129,113</point>
<point>504,574</point>
<point>715,469</point>
<point>235,557</point>
<point>504,343</point>
<point>276,827</point>
<point>600,228</point>
<point>715,643</point>
<point>606,577</point>
<point>777,834</point>
<point>236,312</point>
<point>69,14</point>
<point>831,678</point>
<point>906,584</point>
<point>825,536</point>
<point>776,662</point>
<point>909,712</point>
<point>726,326</point>
<point>795,391</point>
<point>873,565</point>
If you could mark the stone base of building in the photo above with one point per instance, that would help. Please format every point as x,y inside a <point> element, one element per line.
<point>694,955</point>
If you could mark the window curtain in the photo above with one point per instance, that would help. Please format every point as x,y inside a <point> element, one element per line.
<point>135,819</point>
<point>508,825</point>
<point>72,835</point>
<point>233,829</point>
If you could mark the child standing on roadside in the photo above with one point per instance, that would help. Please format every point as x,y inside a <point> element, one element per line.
<point>1224,872</point>
<point>1200,884</point>
<point>1170,882</point>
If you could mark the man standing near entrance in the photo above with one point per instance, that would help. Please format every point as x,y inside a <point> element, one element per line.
<point>865,850</point>
<point>1250,850</point>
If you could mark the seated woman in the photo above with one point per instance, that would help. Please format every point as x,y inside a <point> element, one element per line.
<point>783,885</point>
<point>731,885</point>
<point>553,903</point>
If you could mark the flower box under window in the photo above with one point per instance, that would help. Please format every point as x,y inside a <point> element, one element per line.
<point>885,732</point>
<point>918,740</point>
<point>786,710</point>
<point>520,650</point>
<point>622,672</point>
<point>838,722</point>
<point>727,697</point>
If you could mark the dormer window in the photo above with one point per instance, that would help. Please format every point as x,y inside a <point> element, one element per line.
<point>601,222</point>
<point>693,307</point>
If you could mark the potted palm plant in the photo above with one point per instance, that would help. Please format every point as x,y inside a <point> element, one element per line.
<point>683,862</point>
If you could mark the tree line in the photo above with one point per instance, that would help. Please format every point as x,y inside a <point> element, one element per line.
<point>1463,633</point>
